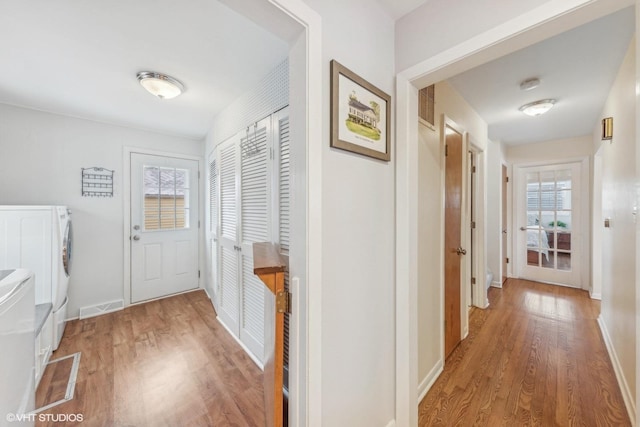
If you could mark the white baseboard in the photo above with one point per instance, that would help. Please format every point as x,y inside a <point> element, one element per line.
<point>429,379</point>
<point>622,382</point>
<point>100,309</point>
<point>244,347</point>
<point>392,423</point>
<point>496,284</point>
<point>597,296</point>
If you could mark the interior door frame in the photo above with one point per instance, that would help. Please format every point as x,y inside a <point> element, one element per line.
<point>126,203</point>
<point>478,245</point>
<point>584,207</point>
<point>464,318</point>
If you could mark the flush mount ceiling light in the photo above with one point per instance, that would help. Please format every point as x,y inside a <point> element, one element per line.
<point>537,108</point>
<point>530,84</point>
<point>160,85</point>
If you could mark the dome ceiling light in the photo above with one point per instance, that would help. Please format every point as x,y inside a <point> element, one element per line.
<point>530,84</point>
<point>160,85</point>
<point>538,107</point>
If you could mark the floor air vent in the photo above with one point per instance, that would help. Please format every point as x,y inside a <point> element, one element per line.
<point>97,310</point>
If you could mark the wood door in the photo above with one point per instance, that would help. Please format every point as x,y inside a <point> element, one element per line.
<point>454,155</point>
<point>505,225</point>
<point>164,220</point>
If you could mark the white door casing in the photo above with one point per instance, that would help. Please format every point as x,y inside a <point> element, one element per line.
<point>164,226</point>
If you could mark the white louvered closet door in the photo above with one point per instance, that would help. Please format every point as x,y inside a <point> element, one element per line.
<point>281,121</point>
<point>214,216</point>
<point>255,196</point>
<point>229,299</point>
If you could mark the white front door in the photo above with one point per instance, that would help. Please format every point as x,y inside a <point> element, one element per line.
<point>164,226</point>
<point>549,223</point>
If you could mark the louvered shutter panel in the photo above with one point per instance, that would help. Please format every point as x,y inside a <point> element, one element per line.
<point>229,288</point>
<point>285,169</point>
<point>213,197</point>
<point>284,216</point>
<point>254,196</point>
<point>213,223</point>
<point>228,191</point>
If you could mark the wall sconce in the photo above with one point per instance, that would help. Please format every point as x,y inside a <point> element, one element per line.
<point>607,128</point>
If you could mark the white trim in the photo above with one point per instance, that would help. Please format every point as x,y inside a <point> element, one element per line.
<point>595,296</point>
<point>406,151</point>
<point>308,340</point>
<point>126,203</point>
<point>617,368</point>
<point>496,284</point>
<point>538,24</point>
<point>241,344</point>
<point>429,380</point>
<point>392,423</point>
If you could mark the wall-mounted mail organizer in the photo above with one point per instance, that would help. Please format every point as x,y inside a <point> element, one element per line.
<point>97,182</point>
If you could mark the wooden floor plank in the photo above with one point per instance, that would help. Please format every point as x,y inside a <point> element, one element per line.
<point>164,363</point>
<point>535,357</point>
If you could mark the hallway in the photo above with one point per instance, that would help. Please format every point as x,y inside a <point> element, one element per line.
<point>534,357</point>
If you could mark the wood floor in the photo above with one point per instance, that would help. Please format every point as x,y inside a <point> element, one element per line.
<point>165,363</point>
<point>535,357</point>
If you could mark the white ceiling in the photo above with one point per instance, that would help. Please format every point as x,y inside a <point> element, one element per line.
<point>80,58</point>
<point>399,8</point>
<point>577,68</point>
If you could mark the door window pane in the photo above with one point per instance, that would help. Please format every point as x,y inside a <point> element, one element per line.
<point>166,193</point>
<point>549,219</point>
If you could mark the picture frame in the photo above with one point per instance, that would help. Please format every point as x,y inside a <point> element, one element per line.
<point>360,115</point>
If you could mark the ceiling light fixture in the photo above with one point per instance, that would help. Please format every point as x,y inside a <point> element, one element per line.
<point>160,85</point>
<point>538,107</point>
<point>530,84</point>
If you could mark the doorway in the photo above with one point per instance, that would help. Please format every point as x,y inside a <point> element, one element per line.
<point>164,225</point>
<point>548,223</point>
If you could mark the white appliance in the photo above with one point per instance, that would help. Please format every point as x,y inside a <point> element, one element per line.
<point>39,238</point>
<point>17,341</point>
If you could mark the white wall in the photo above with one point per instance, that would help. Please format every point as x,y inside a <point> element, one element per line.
<point>430,225</point>
<point>454,21</point>
<point>550,151</point>
<point>619,195</point>
<point>358,314</point>
<point>41,161</point>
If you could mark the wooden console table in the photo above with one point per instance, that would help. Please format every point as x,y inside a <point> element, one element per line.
<point>270,268</point>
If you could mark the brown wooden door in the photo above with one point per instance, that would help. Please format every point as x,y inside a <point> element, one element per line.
<point>453,235</point>
<point>504,223</point>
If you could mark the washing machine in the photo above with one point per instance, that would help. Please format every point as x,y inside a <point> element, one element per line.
<point>39,238</point>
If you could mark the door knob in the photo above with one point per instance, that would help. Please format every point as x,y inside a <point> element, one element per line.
<point>136,237</point>
<point>136,227</point>
<point>461,251</point>
<point>504,231</point>
<point>523,228</point>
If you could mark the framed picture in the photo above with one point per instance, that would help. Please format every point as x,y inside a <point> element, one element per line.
<point>360,115</point>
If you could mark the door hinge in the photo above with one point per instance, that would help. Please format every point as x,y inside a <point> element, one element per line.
<point>473,224</point>
<point>473,169</point>
<point>283,302</point>
<point>198,174</point>
<point>473,280</point>
<point>506,179</point>
<point>198,223</point>
<point>198,274</point>
<point>507,260</point>
<point>446,150</point>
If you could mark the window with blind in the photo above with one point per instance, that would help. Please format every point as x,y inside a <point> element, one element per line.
<point>166,198</point>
